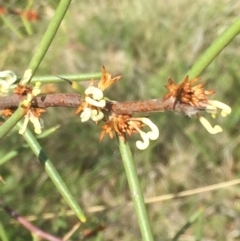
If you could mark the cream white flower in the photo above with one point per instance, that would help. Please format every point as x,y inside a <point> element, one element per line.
<point>212,130</point>
<point>37,123</point>
<point>96,93</point>
<point>95,101</point>
<point>150,135</point>
<point>214,105</point>
<point>36,89</point>
<point>101,103</point>
<point>154,133</point>
<point>7,78</point>
<point>86,114</point>
<point>141,145</point>
<point>26,77</point>
<point>97,115</point>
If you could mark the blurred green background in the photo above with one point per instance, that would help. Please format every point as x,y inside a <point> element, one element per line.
<point>146,41</point>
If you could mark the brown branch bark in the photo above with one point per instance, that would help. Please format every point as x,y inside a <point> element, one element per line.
<point>119,108</point>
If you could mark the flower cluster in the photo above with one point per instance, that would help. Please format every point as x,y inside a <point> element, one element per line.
<point>94,100</point>
<point>92,105</point>
<point>187,92</point>
<point>31,114</point>
<point>189,96</point>
<point>124,124</point>
<point>95,103</point>
<point>195,95</point>
<point>7,80</point>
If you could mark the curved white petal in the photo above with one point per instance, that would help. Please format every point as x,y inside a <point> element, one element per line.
<point>95,92</point>
<point>86,114</point>
<point>96,103</point>
<point>154,133</point>
<point>97,115</point>
<point>26,77</point>
<point>24,126</point>
<point>226,110</point>
<point>36,123</point>
<point>142,145</point>
<point>212,130</point>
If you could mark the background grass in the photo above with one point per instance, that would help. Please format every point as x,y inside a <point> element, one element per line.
<point>146,41</point>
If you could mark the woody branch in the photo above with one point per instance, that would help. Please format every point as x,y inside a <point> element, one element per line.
<point>72,100</point>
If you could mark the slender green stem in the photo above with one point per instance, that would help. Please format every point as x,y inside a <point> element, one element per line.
<point>26,23</point>
<point>10,155</point>
<point>52,173</point>
<point>13,153</point>
<point>27,26</point>
<point>215,48</point>
<point>11,122</point>
<point>72,77</point>
<point>136,191</point>
<point>48,37</point>
<point>11,26</point>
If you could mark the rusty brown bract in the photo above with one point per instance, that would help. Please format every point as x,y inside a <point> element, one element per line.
<point>107,80</point>
<point>120,125</point>
<point>187,92</point>
<point>37,111</point>
<point>6,112</point>
<point>23,89</point>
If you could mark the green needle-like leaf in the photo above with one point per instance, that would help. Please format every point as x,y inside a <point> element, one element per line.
<point>215,48</point>
<point>11,122</point>
<point>52,173</point>
<point>36,60</point>
<point>47,38</point>
<point>73,77</point>
<point>136,191</point>
<point>11,26</point>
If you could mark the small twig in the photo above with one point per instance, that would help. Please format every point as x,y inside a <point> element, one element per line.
<point>33,229</point>
<point>72,231</point>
